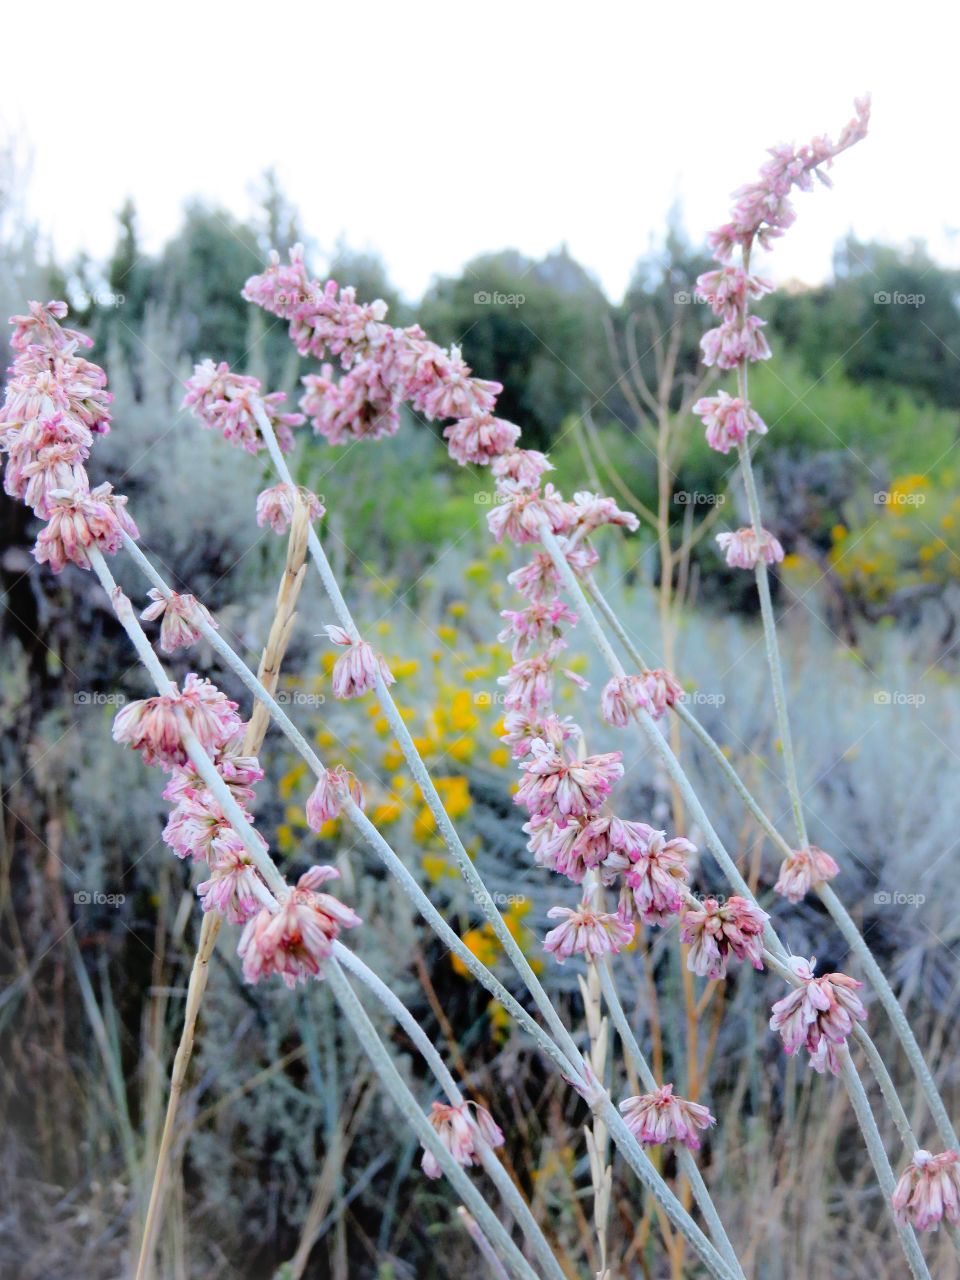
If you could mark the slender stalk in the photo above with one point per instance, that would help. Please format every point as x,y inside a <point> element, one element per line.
<point>484,1247</point>
<point>501,1179</point>
<point>878,1156</point>
<point>405,1102</point>
<point>685,1159</point>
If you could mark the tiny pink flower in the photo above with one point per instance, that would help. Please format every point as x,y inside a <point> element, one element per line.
<point>728,290</point>
<point>275,507</point>
<point>552,782</point>
<point>622,696</point>
<point>653,881</point>
<point>716,931</point>
<point>480,439</point>
<point>327,798</point>
<point>521,730</point>
<point>151,725</point>
<point>744,550</point>
<point>728,420</point>
<point>734,342</point>
<point>663,691</point>
<point>818,1015</point>
<point>459,1129</point>
<point>181,615</point>
<point>588,932</point>
<point>356,671</point>
<point>658,1117</point>
<point>294,941</point>
<point>928,1191</point>
<point>523,466</point>
<point>802,869</point>
<point>519,514</point>
<point>590,512</point>
<point>77,522</point>
<point>537,624</point>
<point>233,889</point>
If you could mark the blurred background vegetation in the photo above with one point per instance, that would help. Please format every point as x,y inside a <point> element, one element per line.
<point>294,1166</point>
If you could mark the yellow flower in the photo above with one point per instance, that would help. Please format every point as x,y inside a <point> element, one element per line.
<point>434,866</point>
<point>457,609</point>
<point>424,825</point>
<point>388,810</point>
<point>500,757</point>
<point>288,783</point>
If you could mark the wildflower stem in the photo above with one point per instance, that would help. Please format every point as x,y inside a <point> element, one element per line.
<point>878,1156</point>
<point>484,1246</point>
<point>491,1164</point>
<point>685,1159</point>
<point>408,1106</point>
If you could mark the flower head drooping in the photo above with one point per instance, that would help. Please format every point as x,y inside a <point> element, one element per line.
<point>586,931</point>
<point>328,796</point>
<point>519,512</point>
<point>76,523</point>
<point>818,1015</point>
<point>744,550</point>
<point>294,941</point>
<point>718,930</point>
<point>481,439</point>
<point>802,869</point>
<point>728,420</point>
<point>222,400</point>
<point>553,783</point>
<point>523,467</point>
<point>928,1191</point>
<point>181,615</point>
<point>275,506</point>
<point>590,511</point>
<point>459,1129</point>
<point>233,889</point>
<point>153,726</point>
<point>622,697</point>
<point>663,691</point>
<point>735,342</point>
<point>654,879</point>
<point>537,624</point>
<point>356,671</point>
<point>658,1117</point>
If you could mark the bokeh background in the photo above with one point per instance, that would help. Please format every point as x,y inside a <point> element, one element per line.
<point>534,185</point>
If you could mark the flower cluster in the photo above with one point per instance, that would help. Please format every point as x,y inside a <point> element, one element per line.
<point>275,506</point>
<point>182,616</point>
<point>294,941</point>
<point>716,931</point>
<point>818,1015</point>
<point>744,550</point>
<point>802,869</point>
<point>56,403</point>
<point>223,401</point>
<point>461,1129</point>
<point>357,670</point>
<point>928,1191</point>
<point>658,1117</point>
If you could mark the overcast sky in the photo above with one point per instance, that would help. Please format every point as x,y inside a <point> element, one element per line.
<point>433,132</point>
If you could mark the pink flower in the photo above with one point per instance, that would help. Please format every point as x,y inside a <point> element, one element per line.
<point>802,869</point>
<point>658,1117</point>
<point>652,883</point>
<point>734,342</point>
<point>480,439</point>
<point>523,466</point>
<point>535,625</point>
<point>327,798</point>
<point>356,671</point>
<point>529,683</point>
<point>233,889</point>
<point>728,290</point>
<point>360,405</point>
<point>275,506</point>
<point>818,1015</point>
<point>54,467</point>
<point>295,940</point>
<point>744,551</point>
<point>521,730</point>
<point>728,420</point>
<point>213,717</point>
<point>928,1190</point>
<point>623,696</point>
<point>575,787</point>
<point>181,617</point>
<point>716,931</point>
<point>663,690</point>
<point>151,725</point>
<point>612,843</point>
<point>590,511</point>
<point>194,824</point>
<point>539,580</point>
<point>77,522</point>
<point>222,400</point>
<point>459,1129</point>
<point>519,514</point>
<point>585,931</point>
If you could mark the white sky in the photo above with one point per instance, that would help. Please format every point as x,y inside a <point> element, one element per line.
<point>431,132</point>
